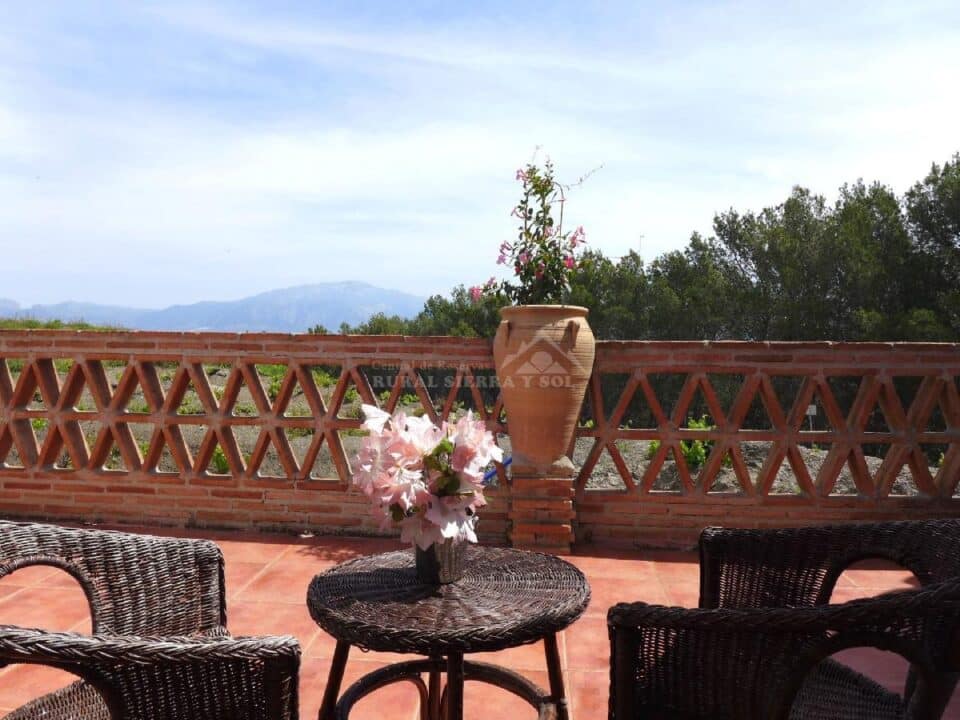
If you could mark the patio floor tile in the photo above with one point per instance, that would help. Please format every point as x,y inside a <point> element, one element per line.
<point>47,607</point>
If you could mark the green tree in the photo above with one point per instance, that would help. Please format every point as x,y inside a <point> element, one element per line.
<point>871,266</point>
<point>933,214</point>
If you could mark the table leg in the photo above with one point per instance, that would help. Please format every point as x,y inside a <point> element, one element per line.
<point>455,686</point>
<point>335,679</point>
<point>435,693</point>
<point>555,672</point>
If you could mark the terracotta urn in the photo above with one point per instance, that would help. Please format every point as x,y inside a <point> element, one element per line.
<point>544,358</point>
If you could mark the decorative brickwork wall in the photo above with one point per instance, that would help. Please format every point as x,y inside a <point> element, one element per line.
<point>882,439</point>
<point>257,430</point>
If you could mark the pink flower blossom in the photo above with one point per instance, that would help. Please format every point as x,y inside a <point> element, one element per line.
<point>577,237</point>
<point>476,292</point>
<point>501,259</point>
<point>521,175</point>
<point>523,258</point>
<point>391,471</point>
<point>490,284</point>
<point>505,247</point>
<point>569,262</point>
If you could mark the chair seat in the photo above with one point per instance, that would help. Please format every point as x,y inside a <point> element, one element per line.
<point>833,691</point>
<point>79,701</point>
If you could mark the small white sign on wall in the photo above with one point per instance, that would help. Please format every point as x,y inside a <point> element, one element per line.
<point>811,410</point>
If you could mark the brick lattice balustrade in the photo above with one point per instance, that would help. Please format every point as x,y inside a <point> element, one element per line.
<point>257,430</point>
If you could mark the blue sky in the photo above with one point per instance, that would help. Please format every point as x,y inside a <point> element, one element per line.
<point>159,153</point>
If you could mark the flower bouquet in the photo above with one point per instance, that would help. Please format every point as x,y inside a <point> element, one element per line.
<point>427,480</point>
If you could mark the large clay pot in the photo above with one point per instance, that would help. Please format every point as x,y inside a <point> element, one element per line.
<point>544,357</point>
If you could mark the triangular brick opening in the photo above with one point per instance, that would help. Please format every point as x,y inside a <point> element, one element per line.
<point>298,404</point>
<point>238,400</point>
<point>142,433</point>
<point>667,478</point>
<point>12,368</point>
<point>300,440</point>
<point>183,397</point>
<point>158,458</point>
<point>9,455</point>
<point>786,389</point>
<point>380,379</point>
<point>936,421</point>
<point>824,418</point>
<point>166,371</point>
<point>638,413</point>
<point>844,389</point>
<point>456,398</point>
<point>847,476</point>
<point>487,388</point>
<point>605,472</point>
<point>904,483</point>
<point>779,476</point>
<point>757,415</point>
<point>218,376</point>
<point>907,388</point>
<point>218,464</point>
<point>612,388</point>
<point>166,463</point>
<point>270,465</point>
<point>114,457</point>
<point>128,396</point>
<point>697,408</point>
<point>933,459</point>
<point>325,378</point>
<point>666,389</point>
<point>27,391</point>
<point>271,378</point>
<point>726,387</point>
<point>728,480</point>
<point>317,463</point>
<point>436,383</point>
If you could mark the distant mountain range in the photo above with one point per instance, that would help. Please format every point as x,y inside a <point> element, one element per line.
<point>289,310</point>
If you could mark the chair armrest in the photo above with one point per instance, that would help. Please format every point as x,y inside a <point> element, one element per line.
<point>219,678</point>
<point>883,611</point>
<point>703,662</point>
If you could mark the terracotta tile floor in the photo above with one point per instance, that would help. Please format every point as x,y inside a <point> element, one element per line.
<point>267,577</point>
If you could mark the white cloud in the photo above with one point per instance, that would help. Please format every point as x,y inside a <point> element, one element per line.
<point>233,153</point>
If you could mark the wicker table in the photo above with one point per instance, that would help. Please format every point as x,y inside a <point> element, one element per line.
<point>504,599</point>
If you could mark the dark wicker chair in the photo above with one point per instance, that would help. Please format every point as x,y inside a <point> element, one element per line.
<point>758,646</point>
<point>160,647</point>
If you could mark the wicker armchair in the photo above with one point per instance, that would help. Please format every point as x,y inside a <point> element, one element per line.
<point>758,646</point>
<point>160,647</point>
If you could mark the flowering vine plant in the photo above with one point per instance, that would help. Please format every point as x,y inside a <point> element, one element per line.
<point>543,257</point>
<point>427,480</point>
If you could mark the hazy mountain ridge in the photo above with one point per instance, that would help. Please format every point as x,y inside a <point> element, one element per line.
<point>292,309</point>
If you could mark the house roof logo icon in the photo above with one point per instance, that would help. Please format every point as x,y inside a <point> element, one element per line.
<point>541,356</point>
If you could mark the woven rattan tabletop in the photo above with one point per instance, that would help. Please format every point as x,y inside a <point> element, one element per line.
<point>505,598</point>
